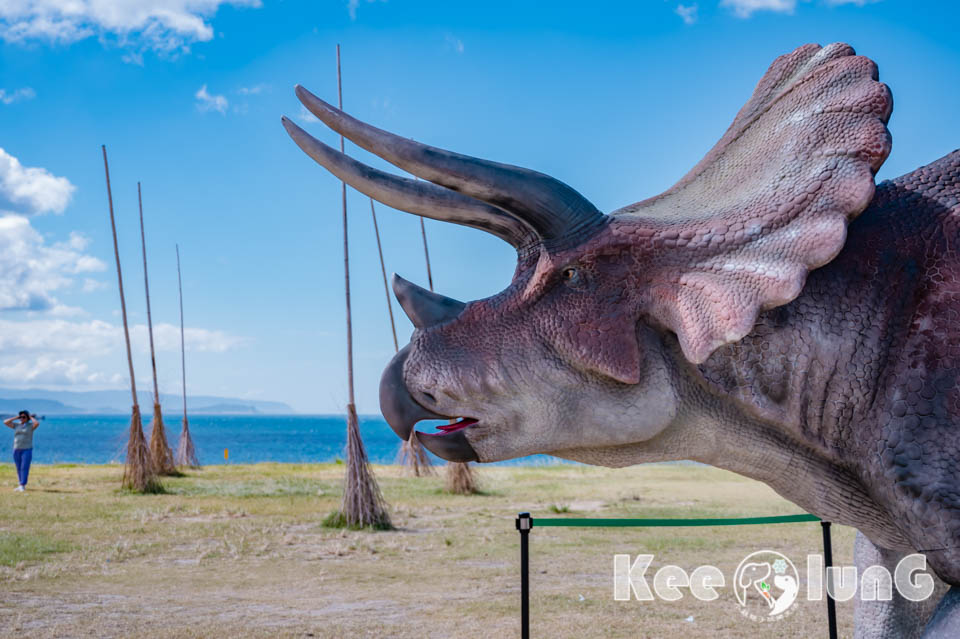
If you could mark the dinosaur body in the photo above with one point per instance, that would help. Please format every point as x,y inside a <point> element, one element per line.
<point>863,368</point>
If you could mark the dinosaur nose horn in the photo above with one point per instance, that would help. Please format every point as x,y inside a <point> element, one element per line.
<point>396,403</point>
<point>425,308</point>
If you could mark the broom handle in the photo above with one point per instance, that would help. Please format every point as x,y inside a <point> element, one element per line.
<point>183,355</point>
<point>426,253</point>
<point>146,287</point>
<point>346,250</point>
<point>383,271</point>
<point>123,303</point>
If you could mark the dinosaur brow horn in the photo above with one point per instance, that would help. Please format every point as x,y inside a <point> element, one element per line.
<point>548,206</point>
<point>419,198</point>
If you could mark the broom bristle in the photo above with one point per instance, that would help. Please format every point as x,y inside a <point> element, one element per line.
<point>138,473</point>
<point>186,454</point>
<point>414,458</point>
<point>160,451</point>
<point>459,479</point>
<point>363,505</point>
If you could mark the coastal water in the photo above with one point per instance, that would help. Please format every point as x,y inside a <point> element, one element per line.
<point>99,439</point>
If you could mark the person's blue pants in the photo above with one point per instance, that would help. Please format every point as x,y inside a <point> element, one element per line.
<point>22,458</point>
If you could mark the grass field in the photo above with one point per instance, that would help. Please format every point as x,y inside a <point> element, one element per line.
<point>238,551</point>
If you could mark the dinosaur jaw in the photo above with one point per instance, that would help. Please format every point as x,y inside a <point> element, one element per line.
<point>451,445</point>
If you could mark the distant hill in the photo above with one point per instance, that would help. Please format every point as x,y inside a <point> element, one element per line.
<point>42,401</point>
<point>37,406</point>
<point>226,409</point>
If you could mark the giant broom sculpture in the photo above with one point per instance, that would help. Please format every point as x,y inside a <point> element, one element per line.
<point>363,504</point>
<point>160,451</point>
<point>138,472</point>
<point>186,454</point>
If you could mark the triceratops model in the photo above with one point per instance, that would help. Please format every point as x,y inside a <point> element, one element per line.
<point>735,320</point>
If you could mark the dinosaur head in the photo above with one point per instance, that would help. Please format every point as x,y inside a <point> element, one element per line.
<point>575,353</point>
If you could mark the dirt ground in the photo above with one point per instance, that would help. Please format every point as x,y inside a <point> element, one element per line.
<point>239,551</point>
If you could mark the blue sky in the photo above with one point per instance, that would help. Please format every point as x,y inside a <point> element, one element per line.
<point>617,99</point>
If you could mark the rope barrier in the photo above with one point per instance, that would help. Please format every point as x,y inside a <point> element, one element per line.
<point>653,523</point>
<point>525,523</point>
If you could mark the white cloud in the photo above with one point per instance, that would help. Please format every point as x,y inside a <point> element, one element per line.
<point>90,285</point>
<point>31,190</point>
<point>382,104</point>
<point>688,14</point>
<point>48,371</point>
<point>352,6</point>
<point>166,337</point>
<point>133,57</point>
<point>746,8</point>
<point>165,26</point>
<point>18,95</point>
<point>57,352</point>
<point>455,42</point>
<point>306,116</point>
<point>63,338</point>
<point>31,271</point>
<point>57,337</point>
<point>208,102</point>
<point>256,89</point>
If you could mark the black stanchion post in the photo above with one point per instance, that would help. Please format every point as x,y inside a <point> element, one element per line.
<point>827,562</point>
<point>524,524</point>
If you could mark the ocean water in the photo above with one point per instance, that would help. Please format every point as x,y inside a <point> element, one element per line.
<point>100,439</point>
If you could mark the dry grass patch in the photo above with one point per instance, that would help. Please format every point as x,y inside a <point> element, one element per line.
<point>240,551</point>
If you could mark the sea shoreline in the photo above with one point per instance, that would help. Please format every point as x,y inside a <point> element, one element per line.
<point>102,438</point>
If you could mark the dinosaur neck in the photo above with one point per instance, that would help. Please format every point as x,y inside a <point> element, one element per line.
<point>728,438</point>
<point>795,471</point>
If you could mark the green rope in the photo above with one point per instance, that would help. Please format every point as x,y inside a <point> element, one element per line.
<point>621,523</point>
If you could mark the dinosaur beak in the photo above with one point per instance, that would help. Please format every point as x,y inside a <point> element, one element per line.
<point>402,412</point>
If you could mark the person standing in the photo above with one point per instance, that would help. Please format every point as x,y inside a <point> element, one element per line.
<point>22,444</point>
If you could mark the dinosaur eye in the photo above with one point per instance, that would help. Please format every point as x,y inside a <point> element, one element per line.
<point>571,276</point>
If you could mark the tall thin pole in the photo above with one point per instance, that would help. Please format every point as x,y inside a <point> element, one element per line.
<point>146,287</point>
<point>183,348</point>
<point>186,453</point>
<point>426,253</point>
<point>123,303</point>
<point>362,503</point>
<point>159,449</point>
<point>346,250</point>
<point>524,524</point>
<point>828,561</point>
<point>383,271</point>
<point>139,473</point>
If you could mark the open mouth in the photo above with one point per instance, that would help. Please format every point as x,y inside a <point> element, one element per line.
<point>460,424</point>
<point>403,412</point>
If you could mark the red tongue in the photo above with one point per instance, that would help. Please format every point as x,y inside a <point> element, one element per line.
<point>463,423</point>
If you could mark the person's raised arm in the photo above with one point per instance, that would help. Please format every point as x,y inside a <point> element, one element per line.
<point>8,422</point>
<point>36,423</point>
